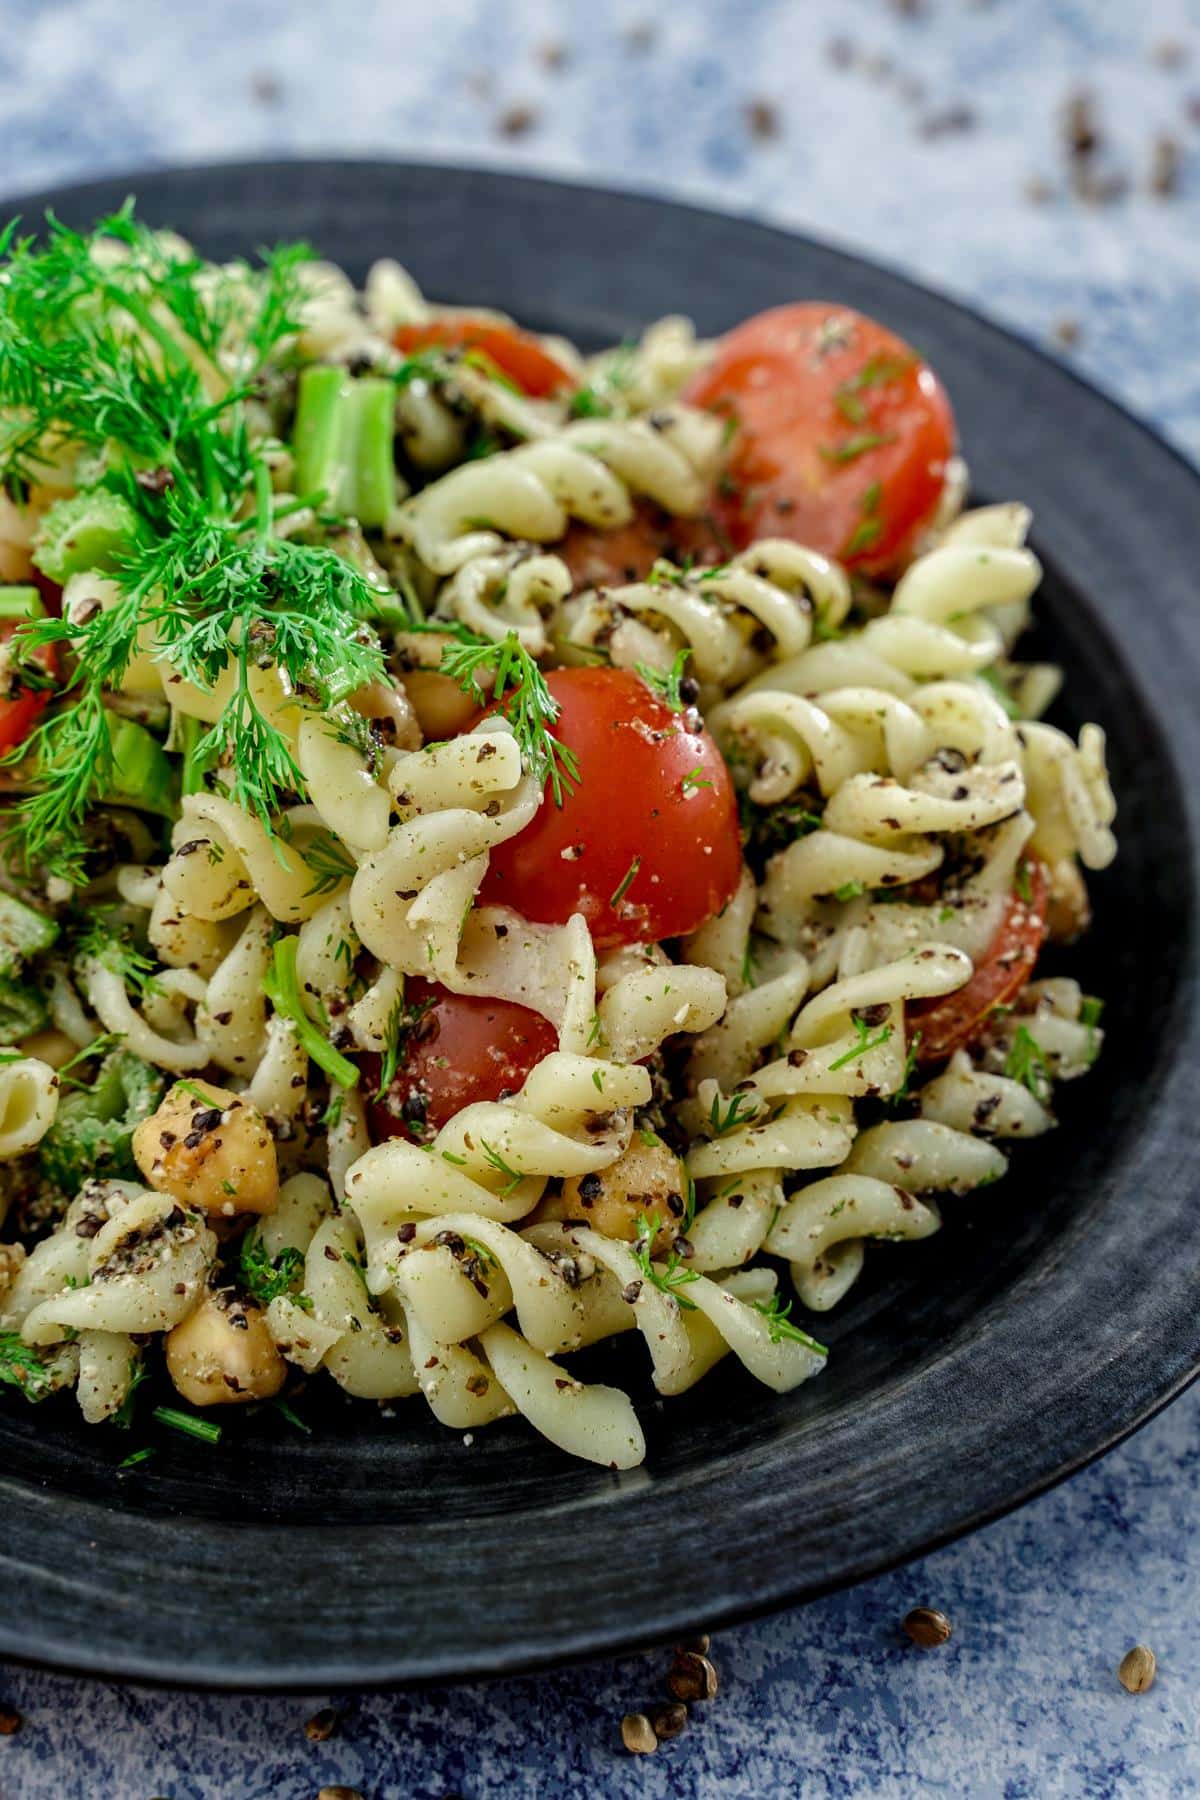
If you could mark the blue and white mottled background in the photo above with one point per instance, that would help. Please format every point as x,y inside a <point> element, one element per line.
<point>831,1701</point>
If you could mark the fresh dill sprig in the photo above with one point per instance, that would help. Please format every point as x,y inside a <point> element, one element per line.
<point>864,1042</point>
<point>665,682</point>
<point>893,1101</point>
<point>513,1177</point>
<point>119,347</point>
<point>505,673</point>
<point>330,862</point>
<point>403,1022</point>
<point>779,1326</point>
<point>724,1120</point>
<point>668,1277</point>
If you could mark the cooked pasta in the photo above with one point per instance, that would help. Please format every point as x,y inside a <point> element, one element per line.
<point>507,848</point>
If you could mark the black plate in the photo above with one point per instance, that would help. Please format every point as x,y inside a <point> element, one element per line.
<point>1056,1311</point>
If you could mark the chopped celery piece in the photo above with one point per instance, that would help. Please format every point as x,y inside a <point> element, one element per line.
<point>86,531</point>
<point>21,603</point>
<point>93,1128</point>
<point>22,1011</point>
<point>141,774</point>
<point>343,441</point>
<point>23,932</point>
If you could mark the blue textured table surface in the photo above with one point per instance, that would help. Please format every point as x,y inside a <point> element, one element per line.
<point>930,135</point>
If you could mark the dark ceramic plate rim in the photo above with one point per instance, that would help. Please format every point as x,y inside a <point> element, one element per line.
<point>657,1605</point>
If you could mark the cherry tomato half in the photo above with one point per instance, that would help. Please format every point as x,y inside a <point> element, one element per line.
<point>611,558</point>
<point>840,434</point>
<point>515,353</point>
<point>646,846</point>
<point>458,1050</point>
<point>20,712</point>
<point>954,1020</point>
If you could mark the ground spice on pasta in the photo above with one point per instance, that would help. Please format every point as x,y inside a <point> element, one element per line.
<point>567,886</point>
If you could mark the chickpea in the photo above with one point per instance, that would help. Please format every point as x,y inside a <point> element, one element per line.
<point>441,706</point>
<point>223,1354</point>
<point>213,1151</point>
<point>648,1179</point>
<point>393,709</point>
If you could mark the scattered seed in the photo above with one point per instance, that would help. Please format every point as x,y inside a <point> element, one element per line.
<point>950,120</point>
<point>927,1627</point>
<point>1038,191</point>
<point>669,1721</point>
<point>762,119</point>
<point>698,1645</point>
<point>517,121</point>
<point>1192,109</point>
<point>693,1678</point>
<point>640,36</point>
<point>1079,124</point>
<point>10,1721</point>
<point>1164,166</point>
<point>553,56</point>
<point>339,1793</point>
<point>1065,331</point>
<point>322,1725</point>
<point>908,9</point>
<point>637,1734</point>
<point>266,88</point>
<point>1170,53</point>
<point>840,52</point>
<point>1137,1669</point>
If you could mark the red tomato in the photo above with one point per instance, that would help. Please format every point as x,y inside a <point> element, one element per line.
<point>647,845</point>
<point>459,1050</point>
<point>610,558</point>
<point>515,353</point>
<point>840,434</point>
<point>954,1020</point>
<point>19,713</point>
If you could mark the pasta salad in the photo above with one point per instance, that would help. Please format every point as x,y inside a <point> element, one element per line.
<point>501,848</point>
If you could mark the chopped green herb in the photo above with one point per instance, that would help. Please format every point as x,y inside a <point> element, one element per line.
<point>1090,1011</point>
<point>513,1177</point>
<point>626,883</point>
<point>21,1366</point>
<point>1022,881</point>
<point>1026,1063</point>
<point>854,447</point>
<point>329,862</point>
<point>187,1424</point>
<point>264,1277</point>
<point>779,1326</point>
<point>293,1418</point>
<point>865,1043</point>
<point>692,781</point>
<point>665,682</point>
<point>849,890</point>
<point>136,1458</point>
<point>722,1122</point>
<point>404,1022</point>
<point>282,988</point>
<point>669,1278</point>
